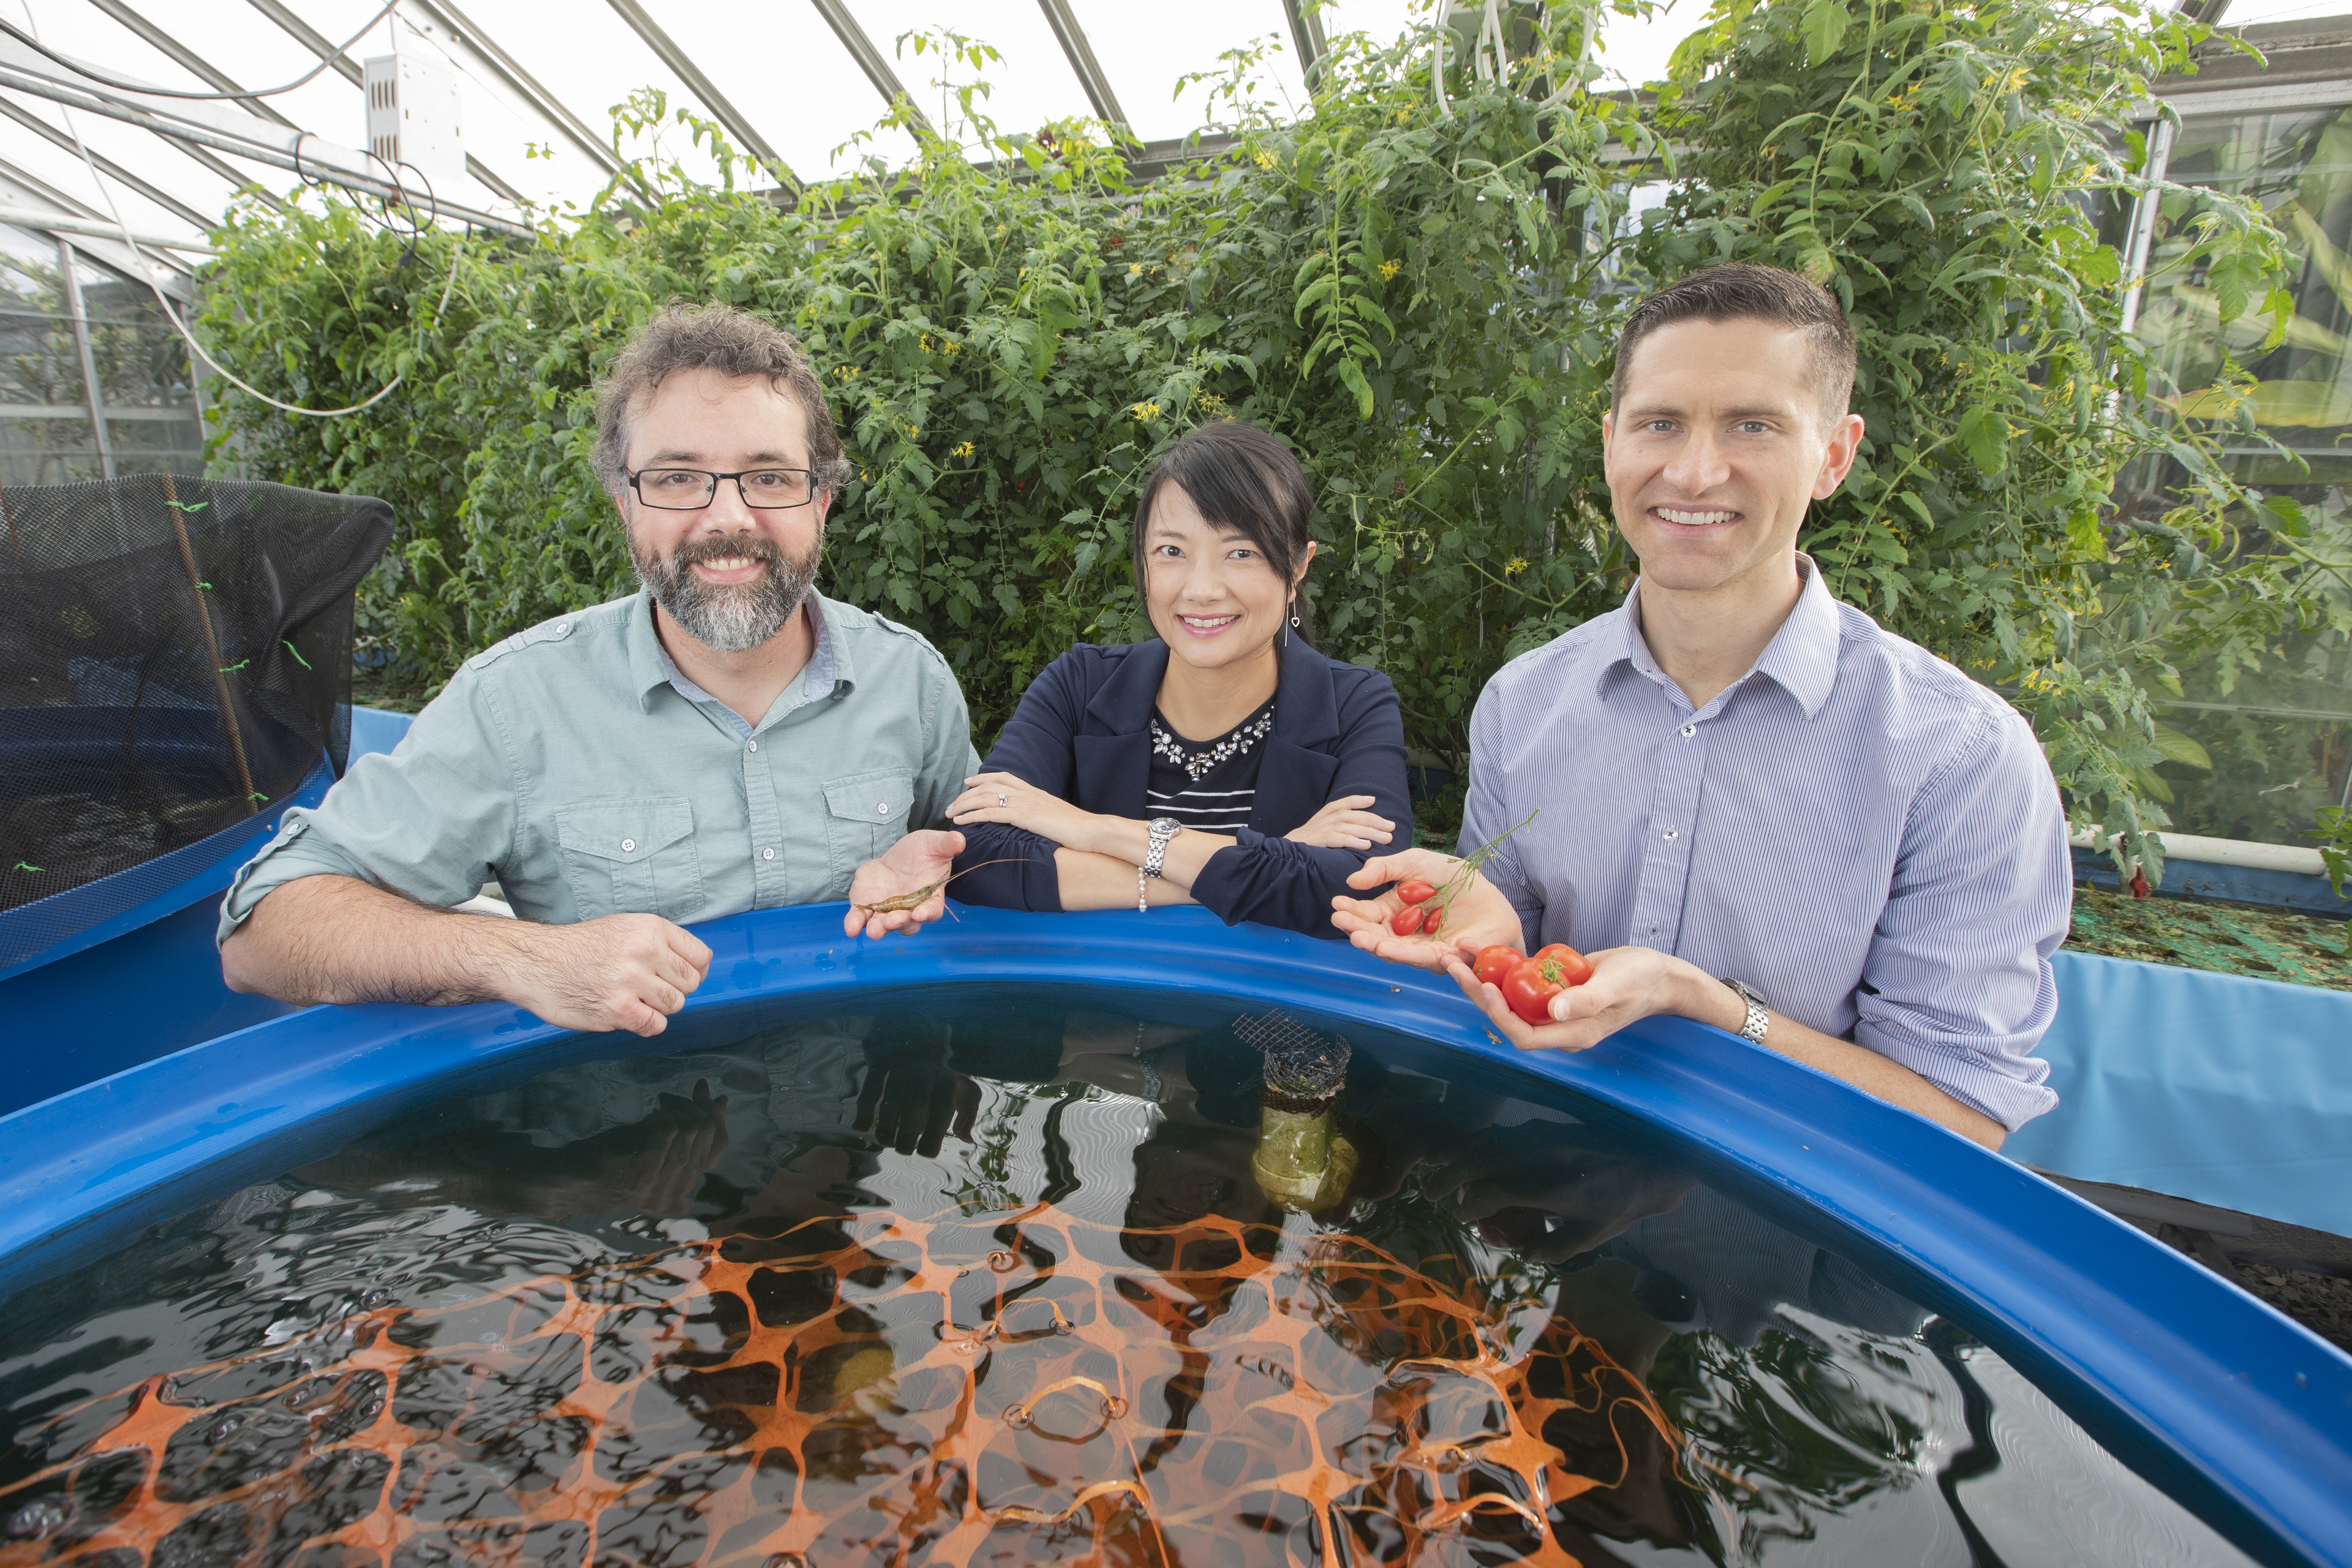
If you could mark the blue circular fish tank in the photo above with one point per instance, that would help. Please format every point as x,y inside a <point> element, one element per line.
<point>1096,1238</point>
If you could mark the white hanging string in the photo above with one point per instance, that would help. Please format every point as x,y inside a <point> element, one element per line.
<point>148,266</point>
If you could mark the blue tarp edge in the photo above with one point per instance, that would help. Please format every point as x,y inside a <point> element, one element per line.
<point>2232,1091</point>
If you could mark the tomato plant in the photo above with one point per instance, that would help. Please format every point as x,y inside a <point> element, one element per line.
<point>1418,285</point>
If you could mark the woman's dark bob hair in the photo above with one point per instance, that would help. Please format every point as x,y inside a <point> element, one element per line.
<point>1240,477</point>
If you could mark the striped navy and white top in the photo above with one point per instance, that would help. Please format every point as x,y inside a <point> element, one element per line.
<point>1855,828</point>
<point>1207,785</point>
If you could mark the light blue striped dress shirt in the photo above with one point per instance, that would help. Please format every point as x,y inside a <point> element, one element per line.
<point>1856,828</point>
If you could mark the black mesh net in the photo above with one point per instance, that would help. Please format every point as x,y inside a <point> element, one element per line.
<point>175,656</point>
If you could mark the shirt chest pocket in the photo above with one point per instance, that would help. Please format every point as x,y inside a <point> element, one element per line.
<point>631,855</point>
<point>865,814</point>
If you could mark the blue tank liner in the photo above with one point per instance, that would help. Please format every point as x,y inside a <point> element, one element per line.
<point>2232,1091</point>
<point>2239,1412</point>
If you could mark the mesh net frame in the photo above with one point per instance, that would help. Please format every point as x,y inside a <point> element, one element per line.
<point>175,658</point>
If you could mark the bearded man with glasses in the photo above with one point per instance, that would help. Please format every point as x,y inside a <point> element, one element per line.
<point>726,739</point>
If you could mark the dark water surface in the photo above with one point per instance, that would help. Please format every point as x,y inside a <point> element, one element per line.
<point>1009,1282</point>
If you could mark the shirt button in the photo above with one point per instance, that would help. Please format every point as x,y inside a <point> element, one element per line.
<point>751,745</point>
<point>1671,834</point>
<point>1688,730</point>
<point>882,810</point>
<point>767,853</point>
<point>628,845</point>
<point>564,628</point>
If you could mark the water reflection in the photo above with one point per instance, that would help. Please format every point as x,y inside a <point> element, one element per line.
<point>996,1284</point>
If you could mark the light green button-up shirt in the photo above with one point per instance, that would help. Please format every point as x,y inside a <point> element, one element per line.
<point>568,763</point>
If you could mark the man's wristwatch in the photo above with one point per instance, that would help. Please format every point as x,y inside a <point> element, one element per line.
<point>1752,1031</point>
<point>1163,828</point>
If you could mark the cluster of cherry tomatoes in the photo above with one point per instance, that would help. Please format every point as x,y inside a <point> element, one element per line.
<point>1529,981</point>
<point>1419,917</point>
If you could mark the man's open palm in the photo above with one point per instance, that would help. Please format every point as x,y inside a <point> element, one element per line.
<point>1476,916</point>
<point>883,896</point>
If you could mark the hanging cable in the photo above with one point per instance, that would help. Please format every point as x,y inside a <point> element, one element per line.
<point>106,194</point>
<point>33,41</point>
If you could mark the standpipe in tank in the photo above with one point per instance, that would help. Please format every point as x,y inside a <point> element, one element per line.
<point>1302,1160</point>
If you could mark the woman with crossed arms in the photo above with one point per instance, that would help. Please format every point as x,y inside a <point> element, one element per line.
<point>1225,762</point>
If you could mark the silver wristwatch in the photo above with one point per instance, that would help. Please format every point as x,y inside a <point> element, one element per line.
<point>1752,1031</point>
<point>1163,828</point>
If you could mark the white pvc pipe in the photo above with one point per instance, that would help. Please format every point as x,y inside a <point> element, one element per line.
<point>2225,852</point>
<point>65,223</point>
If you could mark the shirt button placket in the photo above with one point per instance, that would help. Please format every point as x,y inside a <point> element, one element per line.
<point>1666,862</point>
<point>769,878</point>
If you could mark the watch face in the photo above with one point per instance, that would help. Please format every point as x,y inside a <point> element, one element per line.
<point>1164,824</point>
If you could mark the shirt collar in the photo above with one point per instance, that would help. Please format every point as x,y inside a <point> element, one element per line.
<point>1803,654</point>
<point>651,667</point>
<point>1802,658</point>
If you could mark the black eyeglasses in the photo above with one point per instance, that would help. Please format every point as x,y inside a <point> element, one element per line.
<point>690,490</point>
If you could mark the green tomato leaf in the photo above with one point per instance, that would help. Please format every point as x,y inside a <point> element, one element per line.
<point>1984,435</point>
<point>1823,28</point>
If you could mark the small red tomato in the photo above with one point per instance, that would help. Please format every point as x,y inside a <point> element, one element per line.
<point>1529,990</point>
<point>1415,891</point>
<point>1436,917</point>
<point>1406,920</point>
<point>1575,969</point>
<point>1495,962</point>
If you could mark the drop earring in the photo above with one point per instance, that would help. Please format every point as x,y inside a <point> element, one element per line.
<point>1293,621</point>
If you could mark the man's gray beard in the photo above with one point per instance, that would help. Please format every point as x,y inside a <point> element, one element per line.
<point>729,618</point>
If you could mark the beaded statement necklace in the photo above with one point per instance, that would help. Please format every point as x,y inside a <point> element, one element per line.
<point>1196,764</point>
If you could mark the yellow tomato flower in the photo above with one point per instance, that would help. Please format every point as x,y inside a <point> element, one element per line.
<point>964,450</point>
<point>1390,268</point>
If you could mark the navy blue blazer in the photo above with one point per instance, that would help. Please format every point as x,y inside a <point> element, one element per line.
<point>1083,730</point>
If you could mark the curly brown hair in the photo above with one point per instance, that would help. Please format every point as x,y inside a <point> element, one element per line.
<point>737,344</point>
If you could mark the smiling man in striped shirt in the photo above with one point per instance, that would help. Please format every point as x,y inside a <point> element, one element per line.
<point>1760,809</point>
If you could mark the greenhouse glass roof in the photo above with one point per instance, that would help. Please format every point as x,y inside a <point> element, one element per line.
<point>793,82</point>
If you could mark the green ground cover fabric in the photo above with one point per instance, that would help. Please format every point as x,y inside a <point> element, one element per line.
<point>2228,939</point>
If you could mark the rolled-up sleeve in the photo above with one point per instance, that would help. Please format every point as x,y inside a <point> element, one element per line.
<point>428,820</point>
<point>1035,748</point>
<point>1280,882</point>
<point>1957,985</point>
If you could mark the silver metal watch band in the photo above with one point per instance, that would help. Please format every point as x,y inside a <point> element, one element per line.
<point>1760,1017</point>
<point>1157,856</point>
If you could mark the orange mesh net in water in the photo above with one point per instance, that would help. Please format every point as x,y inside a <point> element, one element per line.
<point>870,1389</point>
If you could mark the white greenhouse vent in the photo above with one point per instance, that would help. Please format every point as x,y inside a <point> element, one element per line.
<point>415,116</point>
